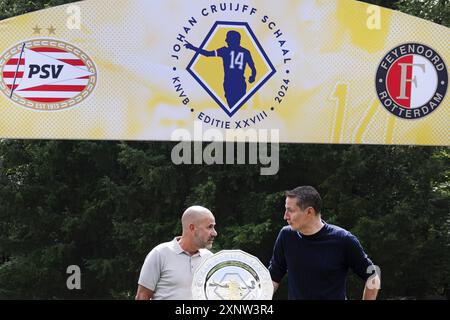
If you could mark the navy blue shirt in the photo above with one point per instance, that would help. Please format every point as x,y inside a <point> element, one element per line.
<point>317,265</point>
<point>234,62</point>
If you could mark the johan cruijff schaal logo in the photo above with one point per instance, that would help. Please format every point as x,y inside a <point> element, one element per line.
<point>412,81</point>
<point>236,59</point>
<point>46,74</point>
<point>231,65</point>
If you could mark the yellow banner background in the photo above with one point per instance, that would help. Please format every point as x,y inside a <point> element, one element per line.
<point>335,49</point>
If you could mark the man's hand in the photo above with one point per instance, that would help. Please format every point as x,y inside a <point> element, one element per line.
<point>373,284</point>
<point>143,293</point>
<point>275,286</point>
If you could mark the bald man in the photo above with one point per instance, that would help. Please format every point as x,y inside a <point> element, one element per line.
<point>168,269</point>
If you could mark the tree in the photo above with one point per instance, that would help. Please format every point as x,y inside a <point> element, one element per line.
<point>12,8</point>
<point>433,10</point>
<point>395,199</point>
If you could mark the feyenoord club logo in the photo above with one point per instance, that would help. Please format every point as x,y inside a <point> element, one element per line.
<point>412,81</point>
<point>44,74</point>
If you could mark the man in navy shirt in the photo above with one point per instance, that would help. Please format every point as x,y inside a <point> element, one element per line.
<point>235,58</point>
<point>317,255</point>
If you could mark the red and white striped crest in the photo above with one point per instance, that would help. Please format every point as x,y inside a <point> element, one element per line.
<point>45,74</point>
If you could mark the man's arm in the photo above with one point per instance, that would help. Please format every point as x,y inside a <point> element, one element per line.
<point>201,51</point>
<point>275,286</point>
<point>277,267</point>
<point>363,267</point>
<point>143,293</point>
<point>251,64</point>
<point>371,288</point>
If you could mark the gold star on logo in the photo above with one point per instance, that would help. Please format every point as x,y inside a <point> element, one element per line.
<point>51,30</point>
<point>37,30</point>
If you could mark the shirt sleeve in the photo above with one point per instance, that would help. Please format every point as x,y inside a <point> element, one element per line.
<point>151,270</point>
<point>357,259</point>
<point>277,267</point>
<point>221,52</point>
<point>249,58</point>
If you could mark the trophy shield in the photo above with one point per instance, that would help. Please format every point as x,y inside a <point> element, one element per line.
<point>232,275</point>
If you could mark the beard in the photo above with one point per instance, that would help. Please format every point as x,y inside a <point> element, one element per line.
<point>203,243</point>
<point>208,245</point>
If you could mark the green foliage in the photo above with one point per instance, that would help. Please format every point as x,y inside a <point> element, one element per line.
<point>12,8</point>
<point>395,200</point>
<point>383,3</point>
<point>104,205</point>
<point>433,10</point>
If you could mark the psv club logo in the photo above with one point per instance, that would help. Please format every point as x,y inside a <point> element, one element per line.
<point>44,74</point>
<point>412,81</point>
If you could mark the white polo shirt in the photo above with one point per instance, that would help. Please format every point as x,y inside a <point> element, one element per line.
<point>168,271</point>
